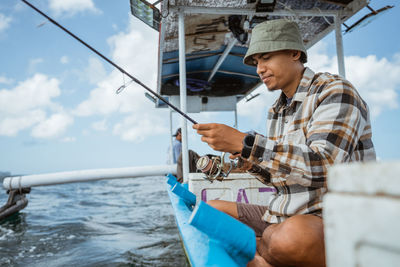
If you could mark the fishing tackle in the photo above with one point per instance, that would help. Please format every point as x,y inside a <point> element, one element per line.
<point>111,62</point>
<point>218,167</point>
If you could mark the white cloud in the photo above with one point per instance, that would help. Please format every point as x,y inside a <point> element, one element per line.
<point>35,92</point>
<point>100,125</point>
<point>64,60</point>
<point>68,139</point>
<point>258,106</point>
<point>5,80</point>
<point>53,126</point>
<point>142,119</point>
<point>26,105</point>
<point>377,80</point>
<point>4,22</point>
<point>71,7</point>
<point>319,61</point>
<point>136,51</point>
<point>136,128</point>
<point>102,100</point>
<point>10,125</point>
<point>95,71</point>
<point>32,65</point>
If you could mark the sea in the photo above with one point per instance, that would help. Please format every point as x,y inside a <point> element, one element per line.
<point>124,222</point>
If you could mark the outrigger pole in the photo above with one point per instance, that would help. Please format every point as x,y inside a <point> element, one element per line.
<point>27,181</point>
<point>111,62</point>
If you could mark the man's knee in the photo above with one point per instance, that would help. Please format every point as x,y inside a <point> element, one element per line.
<point>293,239</point>
<point>301,229</point>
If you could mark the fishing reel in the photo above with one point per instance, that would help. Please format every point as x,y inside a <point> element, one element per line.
<point>217,167</point>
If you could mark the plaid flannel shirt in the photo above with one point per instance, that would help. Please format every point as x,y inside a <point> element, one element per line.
<point>327,122</point>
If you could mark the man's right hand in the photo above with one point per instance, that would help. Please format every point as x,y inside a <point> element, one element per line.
<point>221,137</point>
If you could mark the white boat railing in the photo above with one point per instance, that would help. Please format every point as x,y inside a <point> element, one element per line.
<point>24,181</point>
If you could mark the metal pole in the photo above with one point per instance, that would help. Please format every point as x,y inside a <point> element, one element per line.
<point>171,145</point>
<point>222,58</point>
<point>236,120</point>
<point>339,46</point>
<point>182,87</point>
<point>252,11</point>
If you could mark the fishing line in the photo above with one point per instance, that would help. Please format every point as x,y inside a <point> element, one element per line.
<point>122,87</point>
<point>111,62</point>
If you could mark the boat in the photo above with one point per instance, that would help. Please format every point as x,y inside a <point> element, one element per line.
<point>201,48</point>
<point>202,45</point>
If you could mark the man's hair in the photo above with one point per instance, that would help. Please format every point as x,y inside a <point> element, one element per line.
<point>303,57</point>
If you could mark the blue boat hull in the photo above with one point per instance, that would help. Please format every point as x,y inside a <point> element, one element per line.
<point>199,248</point>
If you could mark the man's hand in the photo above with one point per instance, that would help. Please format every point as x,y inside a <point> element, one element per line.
<point>221,137</point>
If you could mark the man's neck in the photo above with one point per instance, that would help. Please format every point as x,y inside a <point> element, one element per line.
<point>291,88</point>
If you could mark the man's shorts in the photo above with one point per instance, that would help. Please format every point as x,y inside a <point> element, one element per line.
<point>251,215</point>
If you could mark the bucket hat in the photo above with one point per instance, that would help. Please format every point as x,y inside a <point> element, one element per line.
<point>274,35</point>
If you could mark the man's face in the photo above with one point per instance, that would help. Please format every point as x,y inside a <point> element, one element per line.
<point>179,137</point>
<point>275,68</point>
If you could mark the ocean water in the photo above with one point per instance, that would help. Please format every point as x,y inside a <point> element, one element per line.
<point>126,222</point>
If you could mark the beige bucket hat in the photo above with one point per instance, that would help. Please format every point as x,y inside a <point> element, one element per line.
<point>274,35</point>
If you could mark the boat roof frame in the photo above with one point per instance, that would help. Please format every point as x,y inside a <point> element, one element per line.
<point>339,16</point>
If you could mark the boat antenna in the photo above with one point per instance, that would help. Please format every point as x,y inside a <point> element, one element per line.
<point>111,62</point>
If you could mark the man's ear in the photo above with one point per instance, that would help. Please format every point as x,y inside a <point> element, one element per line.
<point>296,55</point>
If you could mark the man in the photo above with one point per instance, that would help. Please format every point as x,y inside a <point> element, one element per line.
<point>177,145</point>
<point>318,120</point>
<point>177,149</point>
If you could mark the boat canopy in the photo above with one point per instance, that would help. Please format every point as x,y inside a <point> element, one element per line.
<point>217,35</point>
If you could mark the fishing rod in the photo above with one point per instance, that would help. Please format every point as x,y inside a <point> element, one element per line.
<point>111,62</point>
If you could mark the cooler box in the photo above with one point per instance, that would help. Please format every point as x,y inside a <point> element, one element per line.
<point>362,215</point>
<point>238,187</point>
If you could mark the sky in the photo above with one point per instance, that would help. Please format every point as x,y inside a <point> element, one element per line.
<point>59,110</point>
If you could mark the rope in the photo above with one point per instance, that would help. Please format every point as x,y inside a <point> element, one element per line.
<point>19,184</point>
